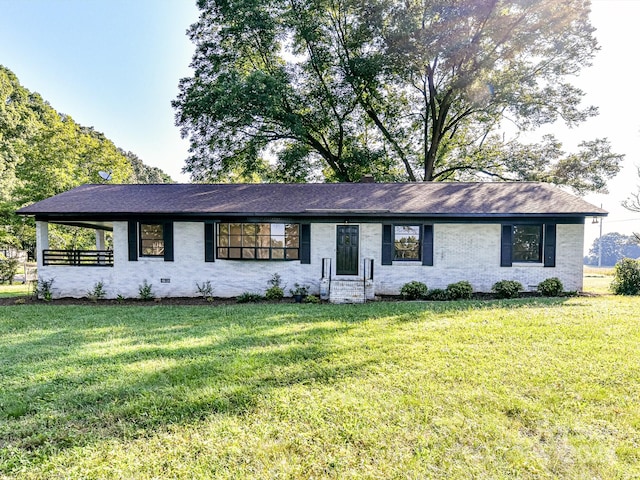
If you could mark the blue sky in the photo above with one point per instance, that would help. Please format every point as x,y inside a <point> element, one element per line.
<point>115,65</point>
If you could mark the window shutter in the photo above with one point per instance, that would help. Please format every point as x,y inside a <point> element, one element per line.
<point>132,230</point>
<point>209,242</point>
<point>387,244</point>
<point>167,233</point>
<point>506,246</point>
<point>427,246</point>
<point>305,243</point>
<point>550,245</point>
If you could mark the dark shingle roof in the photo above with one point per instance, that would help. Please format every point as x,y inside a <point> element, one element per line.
<point>433,199</point>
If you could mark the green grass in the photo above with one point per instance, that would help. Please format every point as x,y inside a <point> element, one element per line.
<point>514,389</point>
<point>598,280</point>
<point>15,290</point>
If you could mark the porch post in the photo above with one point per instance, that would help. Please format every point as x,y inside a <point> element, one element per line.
<point>99,239</point>
<point>42,240</point>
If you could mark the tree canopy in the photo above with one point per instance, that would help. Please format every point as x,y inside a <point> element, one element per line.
<point>292,90</point>
<point>43,152</point>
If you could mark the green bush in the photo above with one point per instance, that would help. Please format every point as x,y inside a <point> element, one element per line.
<point>98,292</point>
<point>459,290</point>
<point>507,288</point>
<point>626,277</point>
<point>42,289</point>
<point>274,293</point>
<point>414,290</point>
<point>311,299</point>
<point>551,287</point>
<point>248,297</point>
<point>8,269</point>
<point>438,294</point>
<point>145,291</point>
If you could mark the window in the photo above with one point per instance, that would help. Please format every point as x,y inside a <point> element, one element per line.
<point>406,240</point>
<point>151,240</point>
<point>533,243</point>
<point>527,243</point>
<point>258,241</point>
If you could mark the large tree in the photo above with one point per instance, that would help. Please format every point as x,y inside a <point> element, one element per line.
<point>292,90</point>
<point>611,248</point>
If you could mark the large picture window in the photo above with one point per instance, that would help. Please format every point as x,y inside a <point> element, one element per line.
<point>406,240</point>
<point>258,241</point>
<point>151,240</point>
<point>527,243</point>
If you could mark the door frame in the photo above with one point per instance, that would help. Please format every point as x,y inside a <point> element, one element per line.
<point>357,248</point>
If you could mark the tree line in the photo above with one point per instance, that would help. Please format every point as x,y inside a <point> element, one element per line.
<point>44,152</point>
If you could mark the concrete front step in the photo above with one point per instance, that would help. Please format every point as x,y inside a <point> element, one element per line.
<point>350,291</point>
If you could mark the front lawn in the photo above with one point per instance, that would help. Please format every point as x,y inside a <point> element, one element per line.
<point>529,388</point>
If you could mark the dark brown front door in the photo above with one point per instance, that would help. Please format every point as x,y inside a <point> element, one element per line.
<point>347,250</point>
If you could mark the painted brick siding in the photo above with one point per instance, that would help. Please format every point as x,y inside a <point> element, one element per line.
<point>472,253</point>
<point>461,252</point>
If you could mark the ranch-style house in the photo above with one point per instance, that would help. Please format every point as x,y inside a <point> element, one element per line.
<point>347,242</point>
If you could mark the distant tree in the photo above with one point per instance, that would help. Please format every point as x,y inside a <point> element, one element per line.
<point>143,173</point>
<point>615,247</point>
<point>405,90</point>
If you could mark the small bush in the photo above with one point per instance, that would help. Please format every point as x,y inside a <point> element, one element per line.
<point>145,291</point>
<point>459,290</point>
<point>311,299</point>
<point>414,290</point>
<point>248,297</point>
<point>551,287</point>
<point>8,269</point>
<point>437,294</point>
<point>274,293</point>
<point>98,292</point>
<point>42,289</point>
<point>205,290</point>
<point>507,288</point>
<point>626,277</point>
<point>298,289</point>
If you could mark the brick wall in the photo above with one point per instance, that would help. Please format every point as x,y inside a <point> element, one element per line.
<point>461,252</point>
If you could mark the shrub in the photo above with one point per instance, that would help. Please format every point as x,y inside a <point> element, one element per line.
<point>8,269</point>
<point>42,289</point>
<point>98,292</point>
<point>507,288</point>
<point>145,291</point>
<point>311,299</point>
<point>275,291</point>
<point>551,287</point>
<point>205,290</point>
<point>248,297</point>
<point>437,294</point>
<point>298,289</point>
<point>459,290</point>
<point>626,277</point>
<point>414,290</point>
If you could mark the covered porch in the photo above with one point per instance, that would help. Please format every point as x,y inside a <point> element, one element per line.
<point>100,256</point>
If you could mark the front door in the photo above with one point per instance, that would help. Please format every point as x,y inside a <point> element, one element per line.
<point>347,250</point>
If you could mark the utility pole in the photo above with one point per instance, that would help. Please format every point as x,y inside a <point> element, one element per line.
<point>600,242</point>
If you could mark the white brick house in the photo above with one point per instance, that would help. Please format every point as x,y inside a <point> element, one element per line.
<point>362,239</point>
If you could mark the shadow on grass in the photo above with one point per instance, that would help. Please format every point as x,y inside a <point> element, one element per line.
<point>75,379</point>
<point>75,375</point>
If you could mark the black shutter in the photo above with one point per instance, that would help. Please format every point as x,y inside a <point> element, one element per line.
<point>167,233</point>
<point>506,246</point>
<point>387,244</point>
<point>209,242</point>
<point>427,245</point>
<point>132,230</point>
<point>550,245</point>
<point>305,243</point>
